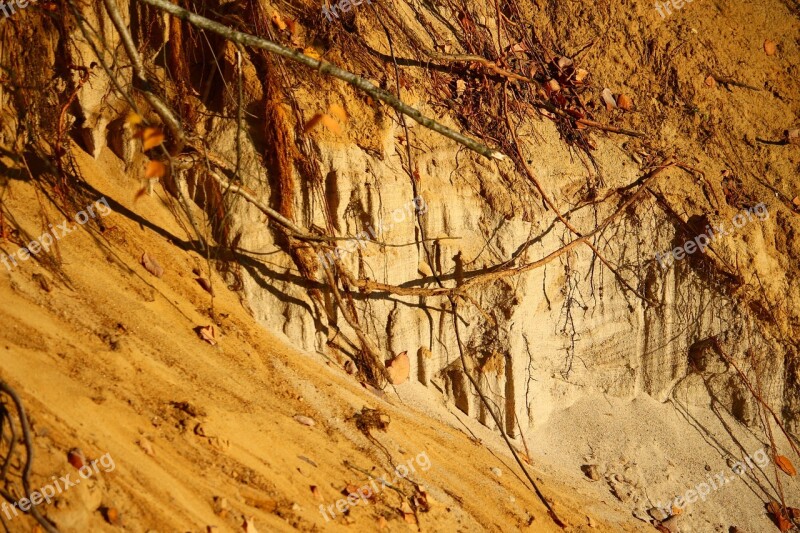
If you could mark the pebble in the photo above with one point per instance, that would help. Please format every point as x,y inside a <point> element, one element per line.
<point>496,471</point>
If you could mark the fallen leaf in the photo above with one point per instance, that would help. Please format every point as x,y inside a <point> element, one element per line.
<point>111,514</point>
<point>552,86</point>
<point>785,464</point>
<point>306,421</point>
<point>608,99</point>
<point>277,20</point>
<point>311,52</point>
<point>151,265</point>
<point>796,201</point>
<point>408,513</point>
<point>710,81</point>
<point>151,137</point>
<point>580,75</point>
<point>133,119</point>
<point>770,47</point>
<point>399,369</point>
<point>292,25</point>
<point>207,333</point>
<point>317,494</point>
<point>76,458</point>
<point>624,102</point>
<point>155,169</point>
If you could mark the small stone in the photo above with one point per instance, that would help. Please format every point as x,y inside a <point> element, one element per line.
<point>657,514</point>
<point>591,472</point>
<point>306,421</point>
<point>671,524</point>
<point>496,471</point>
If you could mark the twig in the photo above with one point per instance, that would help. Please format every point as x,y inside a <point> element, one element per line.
<point>323,67</point>
<point>550,511</point>
<point>26,436</point>
<point>731,81</point>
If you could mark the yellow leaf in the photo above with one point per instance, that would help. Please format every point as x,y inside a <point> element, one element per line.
<point>155,169</point>
<point>310,52</point>
<point>785,464</point>
<point>338,111</point>
<point>151,137</point>
<point>278,21</point>
<point>133,119</point>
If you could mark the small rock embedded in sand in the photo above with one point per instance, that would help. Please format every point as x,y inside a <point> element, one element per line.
<point>591,472</point>
<point>496,471</point>
<point>306,421</point>
<point>671,524</point>
<point>657,514</point>
<point>399,369</point>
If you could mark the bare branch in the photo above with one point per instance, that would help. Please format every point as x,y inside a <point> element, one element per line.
<point>324,67</point>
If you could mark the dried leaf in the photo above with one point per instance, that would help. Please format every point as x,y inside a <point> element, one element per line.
<point>76,458</point>
<point>155,169</point>
<point>292,25</point>
<point>552,86</point>
<point>151,137</point>
<point>277,20</point>
<point>770,47</point>
<point>338,111</point>
<point>207,333</point>
<point>152,265</point>
<point>624,102</point>
<point>311,52</point>
<point>580,75</point>
<point>399,369</point>
<point>710,81</point>
<point>133,119</point>
<point>608,99</point>
<point>785,464</point>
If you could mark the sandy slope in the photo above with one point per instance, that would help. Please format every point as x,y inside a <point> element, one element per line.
<point>108,361</point>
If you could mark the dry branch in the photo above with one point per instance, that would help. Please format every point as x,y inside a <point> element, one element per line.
<point>324,67</point>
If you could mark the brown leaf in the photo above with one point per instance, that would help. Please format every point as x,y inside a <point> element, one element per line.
<point>76,458</point>
<point>152,265</point>
<point>207,333</point>
<point>785,464</point>
<point>770,47</point>
<point>710,81</point>
<point>151,137</point>
<point>312,52</point>
<point>292,25</point>
<point>580,75</point>
<point>278,21</point>
<point>155,169</point>
<point>399,369</point>
<point>624,102</point>
<point>111,514</point>
<point>552,86</point>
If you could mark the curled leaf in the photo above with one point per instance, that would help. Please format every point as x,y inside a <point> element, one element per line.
<point>785,464</point>
<point>155,169</point>
<point>152,265</point>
